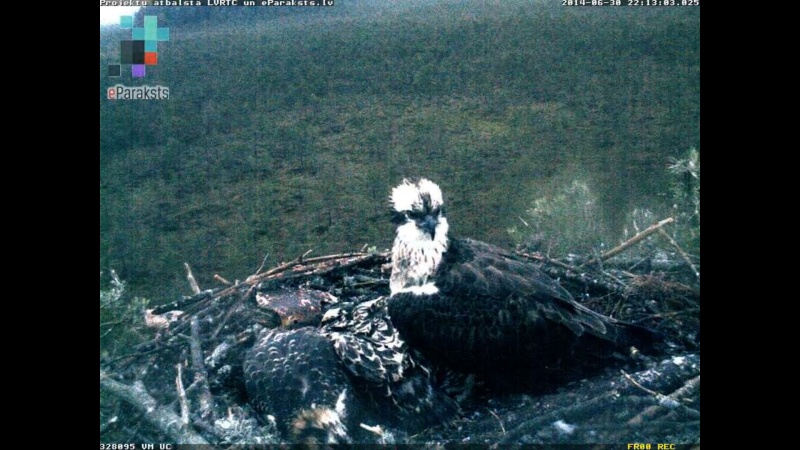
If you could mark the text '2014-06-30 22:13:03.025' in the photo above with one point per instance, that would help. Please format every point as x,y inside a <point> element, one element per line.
<point>633,3</point>
<point>217,3</point>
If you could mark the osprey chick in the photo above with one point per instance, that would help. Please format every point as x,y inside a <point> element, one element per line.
<point>336,383</point>
<point>476,308</point>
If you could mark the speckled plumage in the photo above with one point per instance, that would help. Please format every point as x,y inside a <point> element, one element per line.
<point>289,380</point>
<point>331,384</point>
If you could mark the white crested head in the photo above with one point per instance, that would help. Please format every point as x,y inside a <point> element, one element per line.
<point>421,238</point>
<point>409,196</point>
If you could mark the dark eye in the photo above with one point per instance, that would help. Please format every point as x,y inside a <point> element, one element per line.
<point>398,218</point>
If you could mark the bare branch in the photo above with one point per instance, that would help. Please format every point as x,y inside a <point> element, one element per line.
<point>158,416</point>
<point>263,262</point>
<point>498,419</point>
<point>665,401</point>
<point>680,252</point>
<point>540,257</point>
<point>630,242</point>
<point>182,397</point>
<point>200,377</point>
<point>222,280</point>
<point>190,277</point>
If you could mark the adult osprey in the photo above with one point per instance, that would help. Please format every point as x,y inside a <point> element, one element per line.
<point>338,382</point>
<point>477,308</point>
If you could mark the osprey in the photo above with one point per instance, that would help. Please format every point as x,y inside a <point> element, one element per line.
<point>477,308</point>
<point>339,382</point>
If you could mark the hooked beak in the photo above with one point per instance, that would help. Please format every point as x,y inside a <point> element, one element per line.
<point>428,224</point>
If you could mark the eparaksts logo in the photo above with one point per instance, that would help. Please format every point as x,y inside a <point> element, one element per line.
<point>122,92</point>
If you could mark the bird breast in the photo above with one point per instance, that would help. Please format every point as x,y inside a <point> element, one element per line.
<point>415,256</point>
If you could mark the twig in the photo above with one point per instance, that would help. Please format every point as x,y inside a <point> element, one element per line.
<point>263,262</point>
<point>377,429</point>
<point>104,427</point>
<point>598,260</point>
<point>635,383</point>
<point>113,322</point>
<point>160,417</point>
<point>190,277</point>
<point>671,401</point>
<point>540,257</point>
<point>107,332</point>
<point>253,280</point>
<point>206,400</point>
<point>182,397</point>
<point>137,354</point>
<point>630,242</point>
<point>498,419</point>
<point>691,311</point>
<point>317,259</point>
<point>687,389</point>
<point>586,407</point>
<point>680,252</point>
<point>222,280</point>
<point>230,312</point>
<point>183,303</point>
<point>194,346</point>
<point>613,278</point>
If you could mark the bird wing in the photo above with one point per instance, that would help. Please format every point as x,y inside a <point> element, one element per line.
<point>474,271</point>
<point>366,342</point>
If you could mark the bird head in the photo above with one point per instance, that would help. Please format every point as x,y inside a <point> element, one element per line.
<point>418,206</point>
<point>421,240</point>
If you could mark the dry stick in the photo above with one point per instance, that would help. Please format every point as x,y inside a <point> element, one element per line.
<point>158,416</point>
<point>301,260</point>
<point>670,401</point>
<point>263,262</point>
<point>538,257</point>
<point>182,397</point>
<point>182,303</point>
<point>190,277</point>
<point>222,280</point>
<point>228,315</point>
<point>320,269</point>
<point>107,332</point>
<point>591,405</point>
<point>113,322</point>
<point>499,421</point>
<point>104,427</point>
<point>137,354</point>
<point>282,267</point>
<point>665,315</point>
<point>206,400</point>
<point>687,389</point>
<point>254,280</point>
<point>680,252</point>
<point>630,242</point>
<point>377,429</point>
<point>635,383</point>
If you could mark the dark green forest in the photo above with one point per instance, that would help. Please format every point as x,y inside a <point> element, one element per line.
<point>286,128</point>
